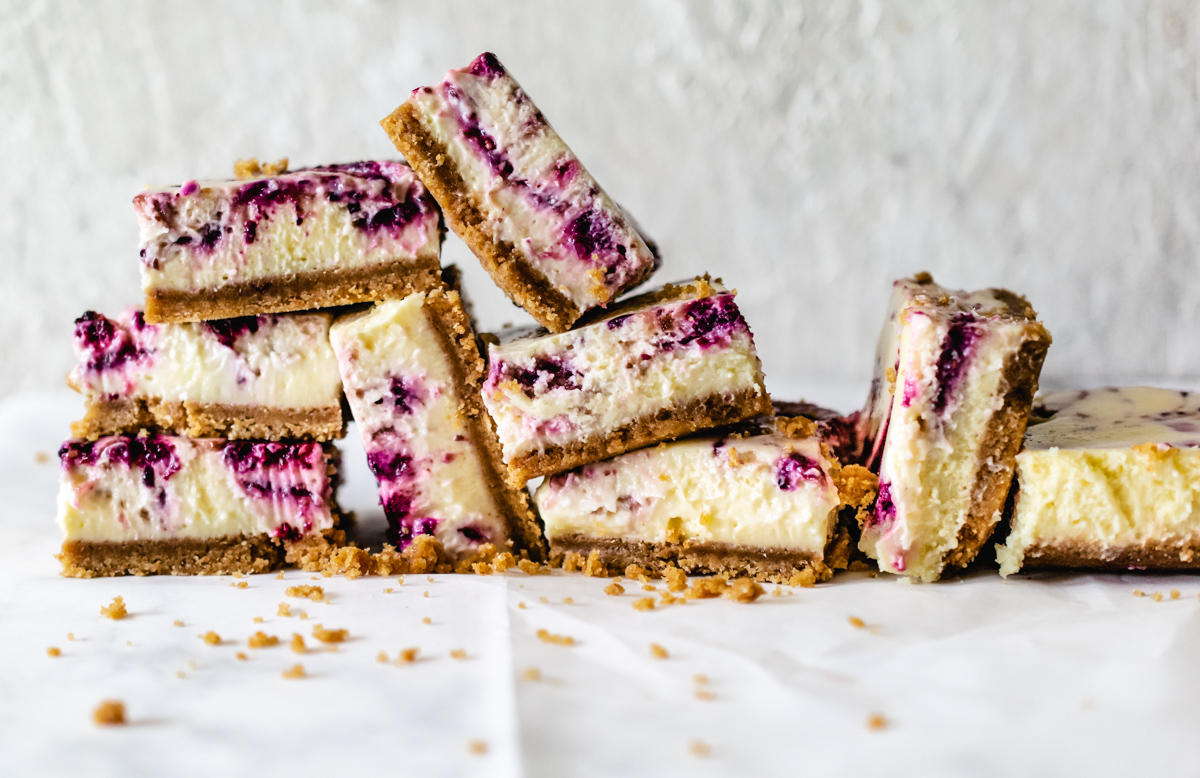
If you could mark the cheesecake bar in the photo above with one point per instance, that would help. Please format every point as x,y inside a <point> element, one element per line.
<point>312,238</point>
<point>157,504</point>
<point>956,373</point>
<point>1109,480</point>
<point>412,372</point>
<point>262,377</point>
<point>764,505</point>
<point>550,237</point>
<point>658,366</point>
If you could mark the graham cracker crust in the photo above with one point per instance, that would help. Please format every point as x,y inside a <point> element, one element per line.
<point>430,159</point>
<point>177,556</point>
<point>774,565</point>
<point>1000,444</point>
<point>447,313</point>
<point>1166,555</point>
<point>669,423</point>
<point>201,420</point>
<point>320,289</point>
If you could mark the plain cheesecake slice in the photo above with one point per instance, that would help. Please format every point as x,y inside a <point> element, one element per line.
<point>955,376</point>
<point>1109,480</point>
<point>658,366</point>
<point>159,504</point>
<point>312,238</point>
<point>259,377</point>
<point>550,237</point>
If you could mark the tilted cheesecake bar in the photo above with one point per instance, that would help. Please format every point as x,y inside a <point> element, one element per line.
<point>955,377</point>
<point>550,237</point>
<point>172,505</point>
<point>412,372</point>
<point>263,377</point>
<point>312,238</point>
<point>765,505</point>
<point>1109,480</point>
<point>658,366</point>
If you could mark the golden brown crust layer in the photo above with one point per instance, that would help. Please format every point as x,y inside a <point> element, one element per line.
<point>668,424</point>
<point>430,160</point>
<point>449,319</point>
<point>178,556</point>
<point>1000,444</point>
<point>1173,554</point>
<point>322,289</point>
<point>200,420</point>
<point>775,565</point>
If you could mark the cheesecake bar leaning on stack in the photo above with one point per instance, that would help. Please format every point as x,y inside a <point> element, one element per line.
<point>159,504</point>
<point>955,376</point>
<point>268,377</point>
<point>1109,480</point>
<point>657,366</point>
<point>312,238</point>
<point>550,237</point>
<point>412,373</point>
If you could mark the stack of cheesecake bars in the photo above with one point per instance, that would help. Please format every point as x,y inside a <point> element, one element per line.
<point>282,303</point>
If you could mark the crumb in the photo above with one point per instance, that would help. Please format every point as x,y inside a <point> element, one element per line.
<point>258,619</point>
<point>700,749</point>
<point>542,599</point>
<point>1138,593</point>
<point>531,674</point>
<point>857,623</point>
<point>297,644</point>
<point>482,568</point>
<point>330,635</point>
<point>670,599</point>
<point>429,578</point>
<point>1175,594</point>
<point>532,568</point>
<point>806,578</point>
<point>41,457</point>
<point>700,678</point>
<point>381,657</point>
<point>573,562</point>
<point>658,652</point>
<point>237,574</point>
<point>1157,596</point>
<point>211,638</point>
<point>180,674</point>
<point>616,579</point>
<point>279,576</point>
<point>706,695</point>
<point>249,168</point>
<point>261,639</point>
<point>115,610</point>
<point>53,651</point>
<point>284,609</point>
<point>637,572</point>
<point>426,620</point>
<point>239,585</point>
<point>676,579</point>
<point>408,655</point>
<point>521,605</point>
<point>241,655</point>
<point>129,642</point>
<point>477,747</point>
<point>192,664</point>
<point>71,635</point>
<point>777,591</point>
<point>743,590</point>
<point>568,601</point>
<point>644,604</point>
<point>426,592</point>
<point>648,588</point>
<point>559,640</point>
<point>295,671</point>
<point>109,712</point>
<point>614,588</point>
<point>179,622</point>
<point>314,593</point>
<point>594,567</point>
<point>704,588</point>
<point>303,615</point>
<point>503,562</point>
<point>876,722</point>
<point>458,653</point>
<point>388,590</point>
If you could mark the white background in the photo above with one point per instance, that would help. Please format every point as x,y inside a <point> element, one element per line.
<point>809,153</point>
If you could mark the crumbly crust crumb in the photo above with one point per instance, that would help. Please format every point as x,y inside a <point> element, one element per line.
<point>644,604</point>
<point>658,652</point>
<point>115,610</point>
<point>211,638</point>
<point>408,655</point>
<point>295,672</point>
<point>614,589</point>
<point>53,651</point>
<point>330,635</point>
<point>314,593</point>
<point>297,644</point>
<point>558,640</point>
<point>109,712</point>
<point>458,653</point>
<point>250,168</point>
<point>876,722</point>
<point>261,639</point>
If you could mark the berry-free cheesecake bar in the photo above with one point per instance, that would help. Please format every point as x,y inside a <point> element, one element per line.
<point>1109,480</point>
<point>312,238</point>
<point>658,366</point>
<point>260,377</point>
<point>157,504</point>
<point>763,505</point>
<point>412,372</point>
<point>550,237</point>
<point>955,377</point>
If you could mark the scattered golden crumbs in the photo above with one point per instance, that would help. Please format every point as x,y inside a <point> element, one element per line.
<point>477,747</point>
<point>303,615</point>
<point>542,599</point>
<point>314,593</point>
<point>295,671</point>
<point>521,605</point>
<point>531,674</point>
<point>1175,594</point>
<point>279,576</point>
<point>648,588</point>
<point>408,655</point>
<point>705,694</point>
<point>258,619</point>
<point>857,623</point>
<point>53,651</point>
<point>644,604</point>
<point>71,635</point>
<point>109,712</point>
<point>658,652</point>
<point>743,590</point>
<point>1138,593</point>
<point>614,589</point>
<point>381,657</point>
<point>568,601</point>
<point>297,644</point>
<point>239,585</point>
<point>876,722</point>
<point>388,590</point>
<point>547,636</point>
<point>241,655</point>
<point>179,622</point>
<point>261,639</point>
<point>330,635</point>
<point>529,567</point>
<point>211,638</point>
<point>115,610</point>
<point>458,653</point>
<point>41,457</point>
<point>284,609</point>
<point>426,620</point>
<point>429,578</point>
<point>700,749</point>
<point>1157,596</point>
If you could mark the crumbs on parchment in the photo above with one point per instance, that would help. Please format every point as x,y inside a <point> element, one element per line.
<point>547,636</point>
<point>115,610</point>
<point>109,712</point>
<point>330,635</point>
<point>294,672</point>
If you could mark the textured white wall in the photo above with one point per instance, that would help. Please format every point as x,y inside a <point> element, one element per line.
<point>807,152</point>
